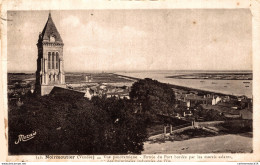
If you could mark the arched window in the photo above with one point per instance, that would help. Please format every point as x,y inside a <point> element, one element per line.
<point>53,54</point>
<point>57,60</point>
<point>49,60</point>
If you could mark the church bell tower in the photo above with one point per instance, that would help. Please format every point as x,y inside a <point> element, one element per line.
<point>50,65</point>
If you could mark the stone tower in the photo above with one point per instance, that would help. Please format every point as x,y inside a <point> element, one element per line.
<point>50,66</point>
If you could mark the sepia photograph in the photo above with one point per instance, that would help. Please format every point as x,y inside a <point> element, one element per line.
<point>167,81</point>
<point>133,81</point>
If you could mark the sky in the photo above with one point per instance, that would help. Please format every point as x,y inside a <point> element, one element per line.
<point>113,40</point>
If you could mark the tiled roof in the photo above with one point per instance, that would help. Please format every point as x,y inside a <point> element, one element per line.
<point>50,29</point>
<point>58,91</point>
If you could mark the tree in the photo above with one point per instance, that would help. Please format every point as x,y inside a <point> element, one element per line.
<point>67,125</point>
<point>128,130</point>
<point>153,96</point>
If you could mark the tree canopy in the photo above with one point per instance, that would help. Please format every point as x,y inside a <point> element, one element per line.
<point>66,125</point>
<point>153,97</point>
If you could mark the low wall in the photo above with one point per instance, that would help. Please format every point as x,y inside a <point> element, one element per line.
<point>168,134</point>
<point>157,136</point>
<point>207,124</point>
<point>182,129</point>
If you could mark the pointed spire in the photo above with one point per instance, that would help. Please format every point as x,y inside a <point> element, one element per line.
<point>49,14</point>
<point>49,30</point>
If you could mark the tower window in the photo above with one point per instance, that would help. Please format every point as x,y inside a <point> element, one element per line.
<point>57,60</point>
<point>53,54</point>
<point>52,38</point>
<point>49,60</point>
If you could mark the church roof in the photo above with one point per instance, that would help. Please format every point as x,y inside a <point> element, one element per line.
<point>64,92</point>
<point>51,30</point>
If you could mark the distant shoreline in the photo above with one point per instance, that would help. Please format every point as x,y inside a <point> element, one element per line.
<point>200,91</point>
<point>216,76</point>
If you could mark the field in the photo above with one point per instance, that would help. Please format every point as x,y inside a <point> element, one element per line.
<point>95,77</point>
<point>19,77</point>
<point>73,77</point>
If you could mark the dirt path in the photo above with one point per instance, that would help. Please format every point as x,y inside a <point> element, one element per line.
<point>217,144</point>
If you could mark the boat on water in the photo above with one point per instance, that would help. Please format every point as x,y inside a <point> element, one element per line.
<point>247,86</point>
<point>202,81</point>
<point>225,86</point>
<point>246,82</point>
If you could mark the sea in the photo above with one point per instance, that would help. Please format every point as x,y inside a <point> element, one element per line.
<point>230,87</point>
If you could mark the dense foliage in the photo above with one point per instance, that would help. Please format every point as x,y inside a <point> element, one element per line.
<point>66,125</point>
<point>208,114</point>
<point>153,97</point>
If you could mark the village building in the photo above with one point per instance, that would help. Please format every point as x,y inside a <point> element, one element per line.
<point>215,100</point>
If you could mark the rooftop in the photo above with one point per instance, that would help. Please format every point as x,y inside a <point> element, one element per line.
<point>50,30</point>
<point>58,91</point>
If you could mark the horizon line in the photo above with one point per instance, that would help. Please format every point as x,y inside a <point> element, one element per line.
<point>138,70</point>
